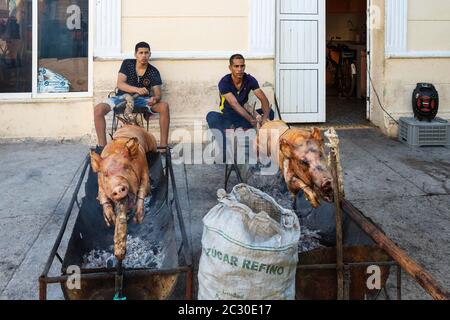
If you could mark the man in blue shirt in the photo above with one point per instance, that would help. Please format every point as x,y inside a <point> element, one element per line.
<point>234,90</point>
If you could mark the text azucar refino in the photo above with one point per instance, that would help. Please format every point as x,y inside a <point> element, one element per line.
<point>245,264</point>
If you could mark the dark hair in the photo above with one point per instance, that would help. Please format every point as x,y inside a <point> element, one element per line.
<point>141,45</point>
<point>236,57</point>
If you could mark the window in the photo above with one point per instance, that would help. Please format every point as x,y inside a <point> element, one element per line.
<point>63,46</point>
<point>45,48</point>
<point>15,46</point>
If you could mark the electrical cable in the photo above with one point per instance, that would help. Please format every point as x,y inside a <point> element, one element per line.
<point>379,101</point>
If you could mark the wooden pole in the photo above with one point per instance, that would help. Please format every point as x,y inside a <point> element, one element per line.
<point>42,288</point>
<point>428,283</point>
<point>189,294</point>
<point>120,232</point>
<point>339,243</point>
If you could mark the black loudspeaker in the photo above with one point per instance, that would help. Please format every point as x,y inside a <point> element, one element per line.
<point>425,102</point>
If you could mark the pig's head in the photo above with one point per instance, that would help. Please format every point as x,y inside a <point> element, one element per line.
<point>115,172</point>
<point>306,152</point>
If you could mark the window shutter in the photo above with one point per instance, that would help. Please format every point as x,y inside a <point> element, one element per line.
<point>396,26</point>
<point>262,27</point>
<point>108,31</point>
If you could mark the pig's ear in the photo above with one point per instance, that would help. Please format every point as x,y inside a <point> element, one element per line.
<point>286,148</point>
<point>315,134</point>
<point>96,162</point>
<point>133,148</point>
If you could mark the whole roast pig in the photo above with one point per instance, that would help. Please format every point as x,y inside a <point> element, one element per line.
<point>301,159</point>
<point>303,163</point>
<point>123,173</point>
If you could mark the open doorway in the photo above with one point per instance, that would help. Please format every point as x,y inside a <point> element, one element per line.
<point>346,76</point>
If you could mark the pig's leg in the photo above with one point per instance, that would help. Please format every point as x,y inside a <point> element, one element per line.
<point>295,184</point>
<point>143,191</point>
<point>301,173</point>
<point>108,210</point>
<point>288,174</point>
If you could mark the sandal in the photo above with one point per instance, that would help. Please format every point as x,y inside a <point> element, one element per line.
<point>162,149</point>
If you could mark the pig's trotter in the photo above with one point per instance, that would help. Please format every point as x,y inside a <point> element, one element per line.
<point>297,184</point>
<point>108,215</point>
<point>312,198</point>
<point>139,217</point>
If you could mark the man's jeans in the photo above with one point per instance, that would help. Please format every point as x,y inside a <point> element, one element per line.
<point>220,122</point>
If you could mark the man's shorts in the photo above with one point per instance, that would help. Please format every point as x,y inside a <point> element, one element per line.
<point>140,102</point>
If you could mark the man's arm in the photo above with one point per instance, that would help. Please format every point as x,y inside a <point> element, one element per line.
<point>156,98</point>
<point>125,87</point>
<point>231,99</point>
<point>264,104</point>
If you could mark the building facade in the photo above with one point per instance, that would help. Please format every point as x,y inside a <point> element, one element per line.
<point>60,58</point>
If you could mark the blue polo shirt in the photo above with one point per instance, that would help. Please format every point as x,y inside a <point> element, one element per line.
<point>226,85</point>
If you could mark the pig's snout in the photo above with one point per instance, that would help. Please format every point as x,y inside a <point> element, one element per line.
<point>120,192</point>
<point>327,187</point>
<point>327,191</point>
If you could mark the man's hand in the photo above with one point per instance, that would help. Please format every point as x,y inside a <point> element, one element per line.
<point>231,99</point>
<point>254,122</point>
<point>142,91</point>
<point>152,101</point>
<point>264,104</point>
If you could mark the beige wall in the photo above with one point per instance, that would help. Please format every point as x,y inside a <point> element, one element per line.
<point>52,118</point>
<point>377,67</point>
<point>195,25</point>
<point>337,25</point>
<point>189,86</point>
<point>429,25</point>
<point>395,78</point>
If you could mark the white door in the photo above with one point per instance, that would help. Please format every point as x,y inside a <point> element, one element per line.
<point>300,60</point>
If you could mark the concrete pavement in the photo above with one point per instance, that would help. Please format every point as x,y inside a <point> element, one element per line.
<point>406,191</point>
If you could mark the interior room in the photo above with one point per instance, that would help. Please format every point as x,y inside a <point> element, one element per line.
<point>346,62</point>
